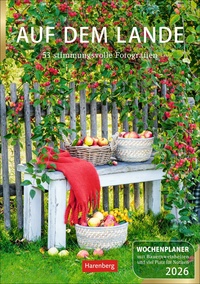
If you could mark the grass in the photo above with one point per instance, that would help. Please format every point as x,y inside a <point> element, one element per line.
<point>22,261</point>
<point>28,265</point>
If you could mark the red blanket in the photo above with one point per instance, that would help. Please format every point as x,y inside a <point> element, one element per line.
<point>84,181</point>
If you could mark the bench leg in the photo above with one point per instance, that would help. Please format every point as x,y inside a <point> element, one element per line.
<point>32,212</point>
<point>56,212</point>
<point>152,196</point>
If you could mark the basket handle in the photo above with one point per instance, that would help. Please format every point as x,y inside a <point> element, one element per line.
<point>113,143</point>
<point>67,140</point>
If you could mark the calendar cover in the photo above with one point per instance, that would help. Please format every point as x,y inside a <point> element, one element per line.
<point>115,83</point>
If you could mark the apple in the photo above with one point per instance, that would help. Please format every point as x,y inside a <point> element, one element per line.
<point>122,134</point>
<point>63,252</point>
<point>133,134</point>
<point>95,141</point>
<point>110,217</point>
<point>114,163</point>
<point>82,254</point>
<point>53,251</point>
<point>126,135</point>
<point>109,223</point>
<point>102,142</point>
<point>141,135</point>
<point>98,215</point>
<point>80,142</point>
<point>88,141</point>
<point>148,134</point>
<point>177,11</point>
<point>93,222</point>
<point>82,223</point>
<point>98,252</point>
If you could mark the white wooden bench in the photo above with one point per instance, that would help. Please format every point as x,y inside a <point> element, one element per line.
<point>123,173</point>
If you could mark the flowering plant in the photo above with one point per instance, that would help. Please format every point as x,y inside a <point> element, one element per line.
<point>121,216</point>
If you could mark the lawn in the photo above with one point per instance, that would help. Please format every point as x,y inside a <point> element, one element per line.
<point>28,265</point>
<point>24,262</point>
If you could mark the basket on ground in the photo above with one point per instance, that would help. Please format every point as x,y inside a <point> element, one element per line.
<point>134,149</point>
<point>101,237</point>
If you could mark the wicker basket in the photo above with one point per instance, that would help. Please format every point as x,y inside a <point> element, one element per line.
<point>134,149</point>
<point>101,237</point>
<point>96,155</point>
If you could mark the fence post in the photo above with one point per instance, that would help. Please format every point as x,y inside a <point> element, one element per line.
<point>27,115</point>
<point>62,119</point>
<point>136,185</point>
<point>155,116</point>
<point>37,122</point>
<point>4,151</point>
<point>104,119</point>
<point>83,113</point>
<point>136,195</point>
<point>72,110</point>
<point>93,117</point>
<point>17,160</point>
<point>126,196</point>
<point>116,196</point>
<point>114,113</point>
<point>163,90</point>
<point>114,118</point>
<point>105,191</point>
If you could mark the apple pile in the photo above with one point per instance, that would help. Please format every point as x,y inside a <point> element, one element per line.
<point>98,219</point>
<point>133,134</point>
<point>85,253</point>
<point>91,141</point>
<point>54,251</point>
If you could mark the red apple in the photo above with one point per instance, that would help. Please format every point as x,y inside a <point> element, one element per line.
<point>98,252</point>
<point>82,254</point>
<point>126,135</point>
<point>95,141</point>
<point>88,141</point>
<point>102,142</point>
<point>83,223</point>
<point>122,134</point>
<point>177,11</point>
<point>80,142</point>
<point>133,134</point>
<point>109,223</point>
<point>110,217</point>
<point>98,215</point>
<point>94,222</point>
<point>148,134</point>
